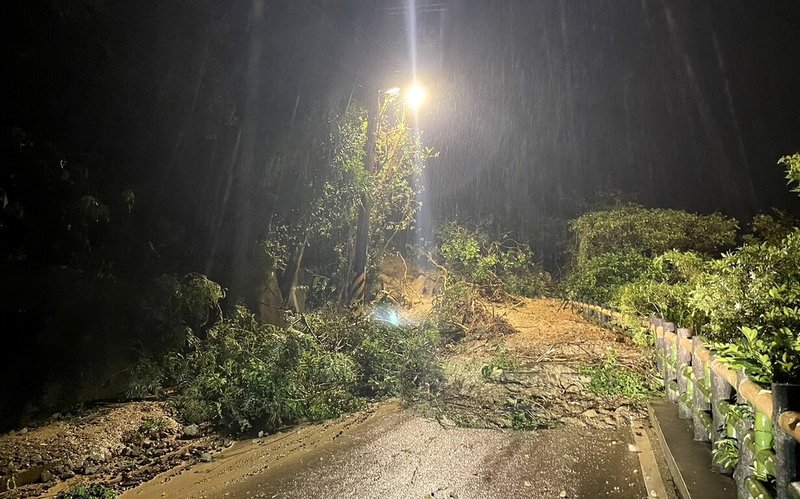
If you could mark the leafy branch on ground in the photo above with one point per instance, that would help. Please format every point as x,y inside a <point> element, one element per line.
<point>247,373</point>
<point>93,491</point>
<point>497,267</point>
<point>609,378</point>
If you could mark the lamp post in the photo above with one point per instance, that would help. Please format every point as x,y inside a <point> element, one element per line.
<point>358,286</point>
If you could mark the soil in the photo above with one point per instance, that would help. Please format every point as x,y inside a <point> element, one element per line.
<point>543,387</point>
<point>121,445</point>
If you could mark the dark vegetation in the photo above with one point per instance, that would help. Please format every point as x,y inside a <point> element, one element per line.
<point>746,301</point>
<point>246,373</point>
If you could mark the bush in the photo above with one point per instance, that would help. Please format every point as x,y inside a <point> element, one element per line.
<point>614,247</point>
<point>502,265</point>
<point>650,232</point>
<point>751,299</point>
<point>792,166</point>
<point>246,372</point>
<point>600,277</point>
<point>758,286</point>
<point>664,289</point>
<point>771,229</point>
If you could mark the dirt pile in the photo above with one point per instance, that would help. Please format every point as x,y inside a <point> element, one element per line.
<point>118,444</point>
<point>535,377</point>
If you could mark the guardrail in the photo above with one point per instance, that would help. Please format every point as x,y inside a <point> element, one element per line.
<point>713,396</point>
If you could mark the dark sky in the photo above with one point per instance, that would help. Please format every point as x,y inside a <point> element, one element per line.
<point>534,105</point>
<point>674,103</point>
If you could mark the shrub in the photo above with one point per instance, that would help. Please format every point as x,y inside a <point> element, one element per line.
<point>664,289</point>
<point>757,286</point>
<point>600,277</point>
<point>650,232</point>
<point>792,166</point>
<point>764,357</point>
<point>771,229</point>
<point>505,265</point>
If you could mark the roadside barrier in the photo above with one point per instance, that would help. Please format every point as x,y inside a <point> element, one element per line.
<point>711,394</point>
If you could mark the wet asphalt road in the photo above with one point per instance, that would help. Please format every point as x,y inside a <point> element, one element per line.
<point>403,456</point>
<point>391,453</point>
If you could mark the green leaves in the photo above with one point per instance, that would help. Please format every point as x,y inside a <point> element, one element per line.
<point>650,232</point>
<point>600,277</point>
<point>792,165</point>
<point>725,452</point>
<point>489,264</point>
<point>245,373</point>
<point>610,379</point>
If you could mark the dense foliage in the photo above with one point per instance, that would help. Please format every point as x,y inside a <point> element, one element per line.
<point>87,261</point>
<point>746,303</point>
<point>650,232</point>
<point>614,247</point>
<point>600,277</point>
<point>502,265</point>
<point>246,373</point>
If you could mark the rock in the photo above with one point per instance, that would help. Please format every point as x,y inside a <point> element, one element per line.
<point>563,493</point>
<point>23,431</point>
<point>56,415</point>
<point>46,476</point>
<point>89,469</point>
<point>191,430</point>
<point>205,457</point>
<point>633,448</point>
<point>447,422</point>
<point>589,413</point>
<point>261,434</point>
<point>98,456</point>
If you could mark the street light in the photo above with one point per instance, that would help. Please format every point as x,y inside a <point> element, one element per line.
<point>413,98</point>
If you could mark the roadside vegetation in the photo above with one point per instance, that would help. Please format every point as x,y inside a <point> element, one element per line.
<point>688,269</point>
<point>243,373</point>
<point>246,374</point>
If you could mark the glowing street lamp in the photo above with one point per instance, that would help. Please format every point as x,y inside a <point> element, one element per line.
<point>413,98</point>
